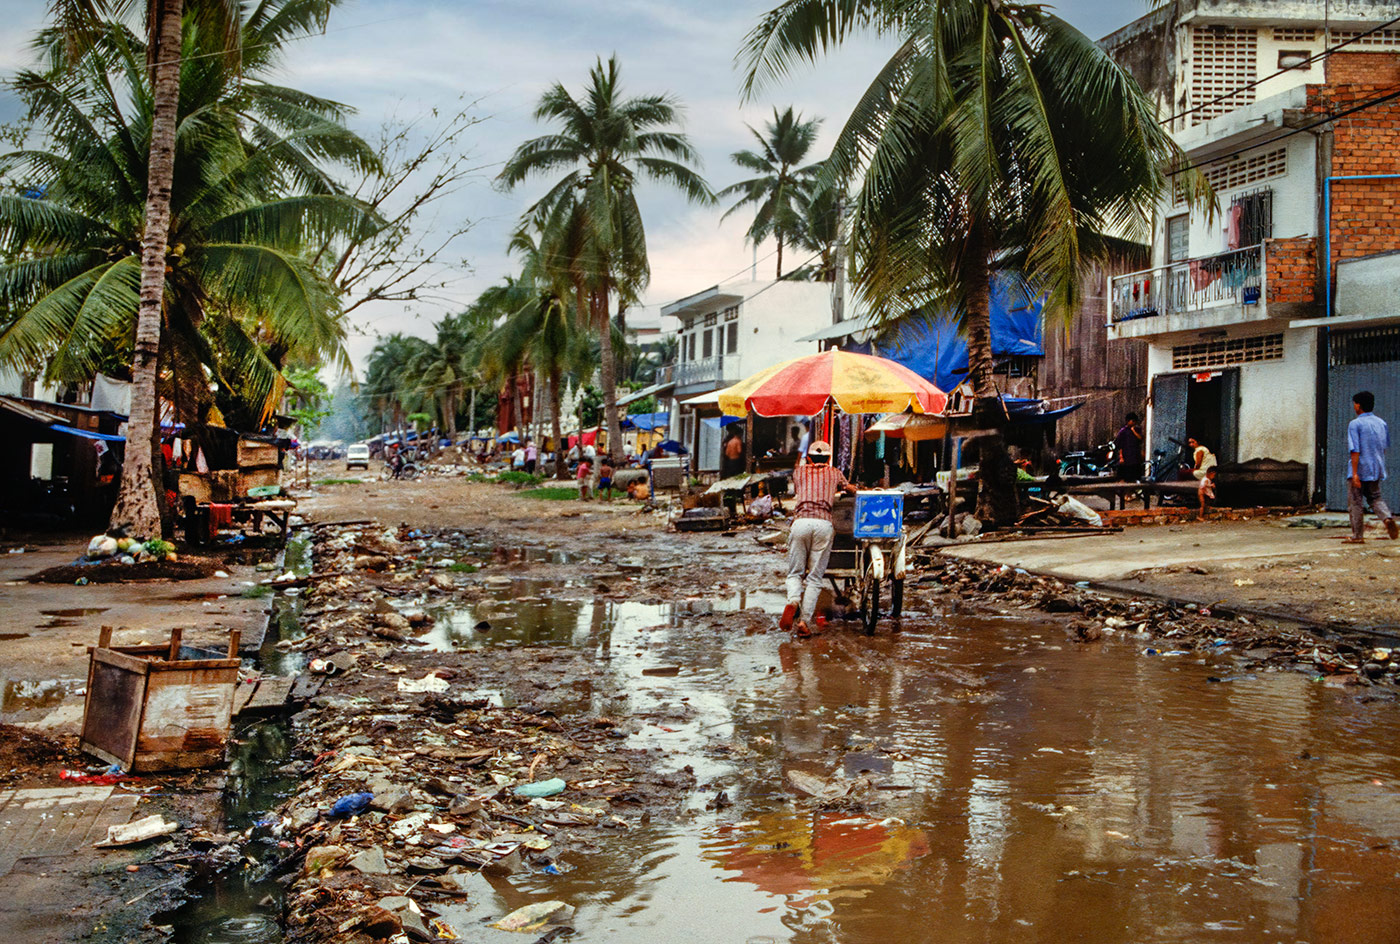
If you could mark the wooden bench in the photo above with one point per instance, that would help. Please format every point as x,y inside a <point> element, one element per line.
<point>1118,493</point>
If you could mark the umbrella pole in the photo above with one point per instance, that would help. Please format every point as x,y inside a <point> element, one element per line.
<point>748,442</point>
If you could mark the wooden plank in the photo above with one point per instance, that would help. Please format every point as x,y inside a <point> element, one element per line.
<point>306,687</point>
<point>121,660</point>
<point>271,695</point>
<point>176,636</point>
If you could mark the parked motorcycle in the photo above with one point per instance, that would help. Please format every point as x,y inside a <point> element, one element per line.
<point>1099,462</point>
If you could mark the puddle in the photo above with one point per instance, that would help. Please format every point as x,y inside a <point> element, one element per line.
<point>245,905</point>
<point>26,695</point>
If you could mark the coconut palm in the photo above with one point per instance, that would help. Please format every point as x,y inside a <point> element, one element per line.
<point>784,187</point>
<point>589,220</point>
<point>139,142</point>
<point>391,387</point>
<point>997,138</point>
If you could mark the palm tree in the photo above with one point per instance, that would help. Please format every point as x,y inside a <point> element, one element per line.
<point>997,139</point>
<point>391,387</point>
<point>783,189</point>
<point>220,29</point>
<point>590,223</point>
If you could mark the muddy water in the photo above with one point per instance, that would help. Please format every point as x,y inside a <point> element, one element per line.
<point>1022,788</point>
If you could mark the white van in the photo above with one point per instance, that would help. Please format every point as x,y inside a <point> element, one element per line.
<point>357,455</point>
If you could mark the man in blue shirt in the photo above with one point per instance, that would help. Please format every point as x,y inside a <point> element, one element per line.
<point>1367,440</point>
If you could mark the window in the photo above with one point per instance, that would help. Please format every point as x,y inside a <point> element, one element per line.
<point>731,344</point>
<point>710,319</point>
<point>709,344</point>
<point>1368,346</point>
<point>1256,217</point>
<point>690,345</point>
<point>1290,34</point>
<point>1266,347</point>
<point>1224,64</point>
<point>731,313</point>
<point>1178,238</point>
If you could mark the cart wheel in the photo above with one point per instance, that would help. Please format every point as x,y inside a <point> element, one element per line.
<point>870,604</point>
<point>897,598</point>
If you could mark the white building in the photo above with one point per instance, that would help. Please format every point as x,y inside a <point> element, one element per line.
<point>1230,305</point>
<point>730,332</point>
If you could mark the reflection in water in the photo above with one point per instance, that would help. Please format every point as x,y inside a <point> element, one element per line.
<point>1051,792</point>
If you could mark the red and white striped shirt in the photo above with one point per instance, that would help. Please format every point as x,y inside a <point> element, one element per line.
<point>816,485</point>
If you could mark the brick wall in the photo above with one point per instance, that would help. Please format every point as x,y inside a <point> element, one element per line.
<point>1365,213</point>
<point>1291,266</point>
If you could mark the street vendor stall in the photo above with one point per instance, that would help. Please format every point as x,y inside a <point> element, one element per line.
<point>869,547</point>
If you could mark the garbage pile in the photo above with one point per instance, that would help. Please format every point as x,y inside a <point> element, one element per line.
<point>1095,615</point>
<point>417,784</point>
<point>124,550</point>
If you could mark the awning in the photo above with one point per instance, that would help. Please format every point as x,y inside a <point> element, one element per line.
<point>644,392</point>
<point>702,399</point>
<point>851,326</point>
<point>719,422</point>
<point>647,421</point>
<point>86,433</point>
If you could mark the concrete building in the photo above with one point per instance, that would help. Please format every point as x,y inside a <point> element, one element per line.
<point>1280,104</point>
<point>727,333</point>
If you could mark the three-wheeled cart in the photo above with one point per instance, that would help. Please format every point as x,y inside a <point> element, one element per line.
<point>869,550</point>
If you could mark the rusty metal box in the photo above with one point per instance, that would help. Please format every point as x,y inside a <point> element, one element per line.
<point>152,708</point>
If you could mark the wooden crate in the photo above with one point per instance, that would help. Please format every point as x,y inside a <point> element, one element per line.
<point>148,708</point>
<point>196,486</point>
<point>255,455</point>
<point>257,477</point>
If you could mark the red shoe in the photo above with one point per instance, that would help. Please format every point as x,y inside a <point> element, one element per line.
<point>789,614</point>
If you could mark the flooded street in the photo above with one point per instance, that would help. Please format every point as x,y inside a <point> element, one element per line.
<point>1009,785</point>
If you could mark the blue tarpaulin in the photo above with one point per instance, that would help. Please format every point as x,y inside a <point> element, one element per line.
<point>647,421</point>
<point>935,349</point>
<point>719,422</point>
<point>86,433</point>
<point>510,437</point>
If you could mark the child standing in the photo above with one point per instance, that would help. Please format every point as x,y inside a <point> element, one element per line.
<point>584,471</point>
<point>605,477</point>
<point>1207,489</point>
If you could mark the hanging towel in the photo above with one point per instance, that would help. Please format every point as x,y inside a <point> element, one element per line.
<point>220,518</point>
<point>1233,220</point>
<point>200,465</point>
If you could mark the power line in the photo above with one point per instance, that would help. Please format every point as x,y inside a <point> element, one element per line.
<point>1390,95</point>
<point>1258,82</point>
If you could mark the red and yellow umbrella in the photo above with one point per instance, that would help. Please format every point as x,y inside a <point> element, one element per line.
<point>857,383</point>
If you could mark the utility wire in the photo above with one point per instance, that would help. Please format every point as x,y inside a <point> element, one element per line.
<point>1258,82</point>
<point>1390,95</point>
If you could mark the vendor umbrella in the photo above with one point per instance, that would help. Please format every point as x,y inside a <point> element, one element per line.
<point>857,383</point>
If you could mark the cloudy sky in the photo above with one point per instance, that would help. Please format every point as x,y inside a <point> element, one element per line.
<point>406,57</point>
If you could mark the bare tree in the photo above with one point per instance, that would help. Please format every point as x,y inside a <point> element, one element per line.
<point>425,160</point>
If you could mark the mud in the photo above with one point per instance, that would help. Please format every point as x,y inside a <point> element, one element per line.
<point>1017,759</point>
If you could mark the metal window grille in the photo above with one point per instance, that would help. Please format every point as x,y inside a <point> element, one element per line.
<point>710,319</point>
<point>1383,39</point>
<point>1239,172</point>
<point>1224,61</point>
<point>1267,347</point>
<point>1368,346</point>
<point>1256,210</point>
<point>1294,34</point>
<point>731,313</point>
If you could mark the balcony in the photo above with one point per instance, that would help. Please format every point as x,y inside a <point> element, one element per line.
<point>1208,292</point>
<point>710,373</point>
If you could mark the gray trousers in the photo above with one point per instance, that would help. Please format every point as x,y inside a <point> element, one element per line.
<point>1368,492</point>
<point>809,550</point>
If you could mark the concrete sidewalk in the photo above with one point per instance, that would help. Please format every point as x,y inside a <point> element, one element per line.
<point>1261,565</point>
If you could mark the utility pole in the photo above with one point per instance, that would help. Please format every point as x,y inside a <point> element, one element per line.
<point>838,292</point>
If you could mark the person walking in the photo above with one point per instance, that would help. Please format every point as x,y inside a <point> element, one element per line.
<point>733,463</point>
<point>1368,438</point>
<point>815,483</point>
<point>532,456</point>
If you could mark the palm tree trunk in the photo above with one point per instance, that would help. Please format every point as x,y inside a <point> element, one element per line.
<point>471,414</point>
<point>780,258</point>
<point>561,468</point>
<point>997,497</point>
<point>608,369</point>
<point>137,512</point>
<point>449,414</point>
<point>517,406</point>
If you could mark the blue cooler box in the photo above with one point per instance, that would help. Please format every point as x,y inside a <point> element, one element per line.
<point>879,514</point>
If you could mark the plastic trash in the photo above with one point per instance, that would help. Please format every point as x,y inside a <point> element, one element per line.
<point>351,805</point>
<point>541,788</point>
<point>535,916</point>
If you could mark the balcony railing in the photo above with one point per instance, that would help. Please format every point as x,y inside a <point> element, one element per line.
<point>716,370</point>
<point>1231,278</point>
